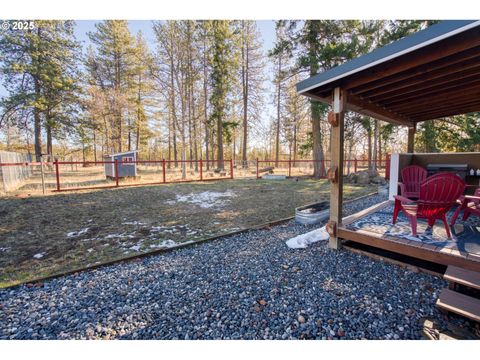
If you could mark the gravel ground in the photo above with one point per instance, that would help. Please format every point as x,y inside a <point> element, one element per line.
<point>247,286</point>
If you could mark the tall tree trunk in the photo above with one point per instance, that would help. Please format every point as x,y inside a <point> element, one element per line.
<point>172,104</point>
<point>139,112</point>
<point>369,147</point>
<point>318,155</point>
<point>245,72</point>
<point>375,147</point>
<point>279,89</point>
<point>220,164</point>
<point>37,123</point>
<point>94,145</point>
<point>129,133</point>
<point>205,99</point>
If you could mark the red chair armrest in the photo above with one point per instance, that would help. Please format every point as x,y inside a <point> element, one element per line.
<point>403,199</point>
<point>471,197</point>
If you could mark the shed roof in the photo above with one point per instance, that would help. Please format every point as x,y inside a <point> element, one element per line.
<point>430,74</point>
<point>122,153</point>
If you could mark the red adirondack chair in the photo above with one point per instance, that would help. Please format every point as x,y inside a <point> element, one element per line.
<point>469,204</point>
<point>437,195</point>
<point>412,176</point>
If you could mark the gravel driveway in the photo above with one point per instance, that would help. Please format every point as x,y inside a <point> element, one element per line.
<point>248,286</point>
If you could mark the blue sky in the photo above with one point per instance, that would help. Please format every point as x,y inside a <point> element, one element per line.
<point>266,27</point>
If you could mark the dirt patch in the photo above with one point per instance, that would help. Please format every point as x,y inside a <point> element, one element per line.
<point>72,230</point>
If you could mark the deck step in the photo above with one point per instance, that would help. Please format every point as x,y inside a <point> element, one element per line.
<point>460,304</point>
<point>462,276</point>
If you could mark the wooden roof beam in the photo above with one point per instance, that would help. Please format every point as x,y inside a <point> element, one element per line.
<point>447,108</point>
<point>354,103</point>
<point>425,83</point>
<point>444,114</point>
<point>467,57</point>
<point>455,44</point>
<point>450,99</point>
<point>471,85</point>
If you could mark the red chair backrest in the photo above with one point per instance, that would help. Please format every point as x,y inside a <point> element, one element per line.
<point>412,176</point>
<point>439,192</point>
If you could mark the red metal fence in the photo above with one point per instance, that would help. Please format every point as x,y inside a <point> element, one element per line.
<point>303,167</point>
<point>84,175</point>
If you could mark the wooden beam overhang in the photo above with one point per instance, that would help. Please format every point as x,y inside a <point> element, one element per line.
<point>421,73</point>
<point>453,45</point>
<point>369,108</point>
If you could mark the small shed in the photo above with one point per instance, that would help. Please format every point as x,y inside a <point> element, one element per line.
<point>127,166</point>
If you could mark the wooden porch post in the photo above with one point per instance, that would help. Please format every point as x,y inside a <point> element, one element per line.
<point>335,173</point>
<point>411,139</point>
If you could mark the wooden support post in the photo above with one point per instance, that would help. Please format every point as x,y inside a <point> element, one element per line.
<point>201,170</point>
<point>411,139</point>
<point>257,168</point>
<point>57,173</point>
<point>289,167</point>
<point>336,187</point>
<point>163,171</point>
<point>355,165</point>
<point>231,168</point>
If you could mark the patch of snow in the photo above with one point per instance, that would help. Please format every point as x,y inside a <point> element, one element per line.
<point>135,248</point>
<point>120,236</point>
<point>77,233</point>
<point>164,244</point>
<point>302,241</point>
<point>4,249</point>
<point>89,250</point>
<point>205,200</point>
<point>39,255</point>
<point>136,223</point>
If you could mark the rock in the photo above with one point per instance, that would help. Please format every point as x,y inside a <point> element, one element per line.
<point>378,180</point>
<point>301,319</point>
<point>341,332</point>
<point>363,177</point>
<point>262,302</point>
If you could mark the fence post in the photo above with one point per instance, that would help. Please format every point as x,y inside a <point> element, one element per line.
<point>201,170</point>
<point>43,174</point>
<point>163,172</point>
<point>231,168</point>
<point>257,168</point>
<point>355,161</point>
<point>289,167</point>
<point>116,172</point>
<point>322,172</point>
<point>57,174</point>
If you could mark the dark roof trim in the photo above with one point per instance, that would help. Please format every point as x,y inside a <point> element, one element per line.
<point>395,49</point>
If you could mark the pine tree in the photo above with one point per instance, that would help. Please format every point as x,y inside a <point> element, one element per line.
<point>39,68</point>
<point>223,65</point>
<point>115,70</point>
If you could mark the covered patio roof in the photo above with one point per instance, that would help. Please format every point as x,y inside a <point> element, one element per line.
<point>431,74</point>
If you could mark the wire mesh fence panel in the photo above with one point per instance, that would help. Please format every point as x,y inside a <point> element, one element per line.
<point>217,170</point>
<point>79,175</point>
<point>177,171</point>
<point>147,172</point>
<point>245,169</point>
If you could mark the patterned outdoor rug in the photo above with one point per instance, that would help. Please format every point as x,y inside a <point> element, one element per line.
<point>465,235</point>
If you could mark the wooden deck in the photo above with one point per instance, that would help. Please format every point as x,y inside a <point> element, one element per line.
<point>452,255</point>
